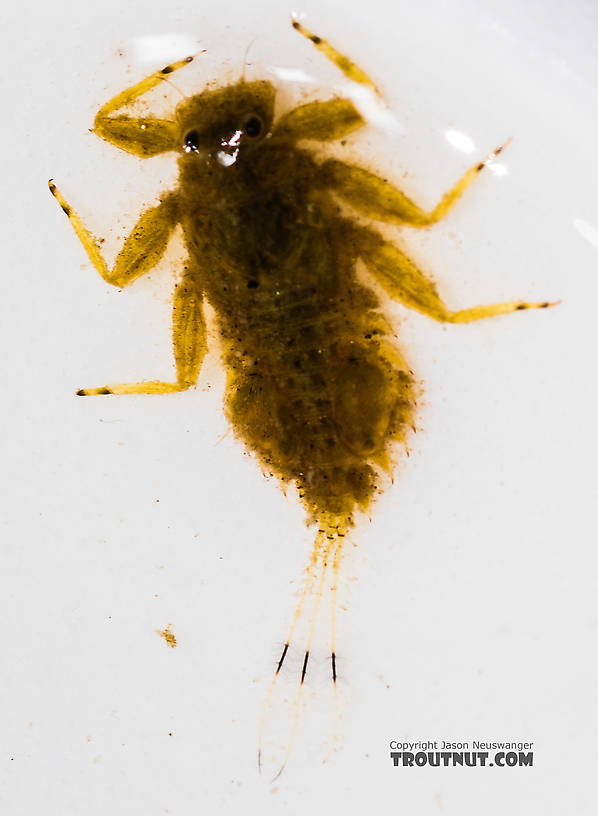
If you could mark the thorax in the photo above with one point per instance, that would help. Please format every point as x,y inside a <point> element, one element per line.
<point>260,232</point>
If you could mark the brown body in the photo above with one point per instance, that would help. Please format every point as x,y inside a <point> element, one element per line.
<point>310,388</point>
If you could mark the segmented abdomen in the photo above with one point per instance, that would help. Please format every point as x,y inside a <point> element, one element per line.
<point>314,387</point>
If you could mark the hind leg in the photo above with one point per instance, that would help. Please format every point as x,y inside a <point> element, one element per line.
<point>189,344</point>
<point>404,281</point>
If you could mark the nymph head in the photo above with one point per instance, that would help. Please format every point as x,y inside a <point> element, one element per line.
<point>226,123</point>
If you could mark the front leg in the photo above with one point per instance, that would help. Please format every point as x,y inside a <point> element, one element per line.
<point>347,66</point>
<point>321,121</point>
<point>379,199</point>
<point>142,136</point>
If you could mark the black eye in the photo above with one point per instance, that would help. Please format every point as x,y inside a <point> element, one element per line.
<point>191,141</point>
<point>252,126</point>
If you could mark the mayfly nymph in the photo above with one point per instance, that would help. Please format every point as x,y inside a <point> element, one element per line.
<point>315,389</point>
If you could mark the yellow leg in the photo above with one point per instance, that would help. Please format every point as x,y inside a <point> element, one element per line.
<point>405,282</point>
<point>143,248</point>
<point>141,136</point>
<point>349,69</point>
<point>454,194</point>
<point>189,342</point>
<point>322,121</point>
<point>366,192</point>
<point>377,198</point>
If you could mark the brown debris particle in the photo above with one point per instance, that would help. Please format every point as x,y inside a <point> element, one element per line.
<point>167,635</point>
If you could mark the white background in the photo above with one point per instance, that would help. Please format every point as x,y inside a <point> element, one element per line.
<point>470,597</point>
